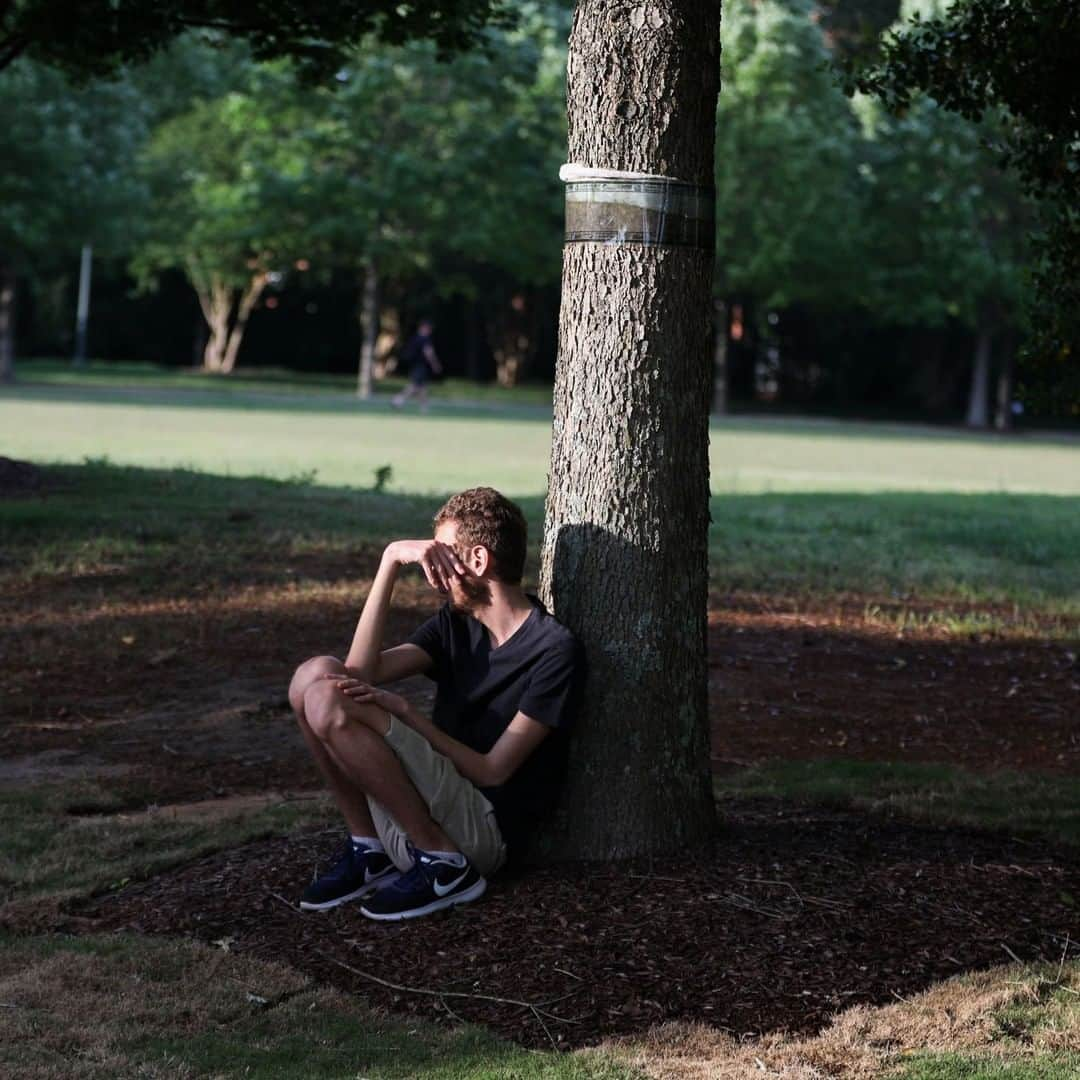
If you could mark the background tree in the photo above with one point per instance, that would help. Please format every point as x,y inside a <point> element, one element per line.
<point>945,231</point>
<point>788,191</point>
<point>67,178</point>
<point>1018,58</point>
<point>231,201</point>
<point>426,165</point>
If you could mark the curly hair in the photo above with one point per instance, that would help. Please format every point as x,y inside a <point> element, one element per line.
<point>485,517</point>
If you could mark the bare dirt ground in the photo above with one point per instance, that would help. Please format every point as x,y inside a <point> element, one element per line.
<point>180,700</point>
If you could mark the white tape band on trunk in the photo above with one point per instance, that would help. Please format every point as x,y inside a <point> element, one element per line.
<point>609,206</point>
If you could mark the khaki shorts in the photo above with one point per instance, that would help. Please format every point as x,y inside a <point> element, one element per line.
<point>457,805</point>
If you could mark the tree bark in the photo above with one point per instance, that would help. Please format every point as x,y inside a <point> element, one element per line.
<point>720,333</point>
<point>387,342</point>
<point>7,323</point>
<point>624,560</point>
<point>369,316</point>
<point>243,312</point>
<point>215,299</point>
<point>978,409</point>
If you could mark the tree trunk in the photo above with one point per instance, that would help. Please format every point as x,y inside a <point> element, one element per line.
<point>243,313</point>
<point>624,561</point>
<point>216,302</point>
<point>7,323</point>
<point>82,311</point>
<point>1003,415</point>
<point>720,332</point>
<point>387,342</point>
<point>978,411</point>
<point>369,316</point>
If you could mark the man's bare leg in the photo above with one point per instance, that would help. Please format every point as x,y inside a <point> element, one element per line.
<point>354,735</point>
<point>350,798</point>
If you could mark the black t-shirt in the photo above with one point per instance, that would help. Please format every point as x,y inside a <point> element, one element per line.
<point>480,689</point>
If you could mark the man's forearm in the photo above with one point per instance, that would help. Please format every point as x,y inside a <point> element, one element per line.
<point>470,763</point>
<point>363,658</point>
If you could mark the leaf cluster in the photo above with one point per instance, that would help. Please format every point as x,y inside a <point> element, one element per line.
<point>407,161</point>
<point>828,203</point>
<point>1017,60</point>
<point>96,37</point>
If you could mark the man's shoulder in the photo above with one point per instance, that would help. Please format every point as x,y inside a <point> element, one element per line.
<point>554,636</point>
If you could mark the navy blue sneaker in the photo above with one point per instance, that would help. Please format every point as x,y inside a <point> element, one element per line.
<point>432,884</point>
<point>358,872</point>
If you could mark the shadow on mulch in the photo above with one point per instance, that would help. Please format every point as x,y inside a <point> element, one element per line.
<point>798,913</point>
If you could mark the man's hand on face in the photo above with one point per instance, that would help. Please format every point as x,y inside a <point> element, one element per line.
<point>439,561</point>
<point>365,694</point>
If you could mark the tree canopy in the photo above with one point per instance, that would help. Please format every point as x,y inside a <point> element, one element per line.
<point>95,37</point>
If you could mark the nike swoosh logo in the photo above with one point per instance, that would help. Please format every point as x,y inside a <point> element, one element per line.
<point>442,890</point>
<point>369,877</point>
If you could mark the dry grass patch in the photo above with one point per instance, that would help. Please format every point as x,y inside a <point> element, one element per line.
<point>1007,1017</point>
<point>65,840</point>
<point>72,1007</point>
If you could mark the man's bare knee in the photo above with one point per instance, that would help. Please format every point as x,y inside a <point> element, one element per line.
<point>309,672</point>
<point>328,712</point>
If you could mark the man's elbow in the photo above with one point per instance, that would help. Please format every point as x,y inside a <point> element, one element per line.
<point>495,773</point>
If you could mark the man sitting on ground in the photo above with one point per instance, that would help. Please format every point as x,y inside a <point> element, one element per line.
<point>434,806</point>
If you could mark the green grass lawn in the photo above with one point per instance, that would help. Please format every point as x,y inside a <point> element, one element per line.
<point>941,794</point>
<point>240,430</point>
<point>1020,551</point>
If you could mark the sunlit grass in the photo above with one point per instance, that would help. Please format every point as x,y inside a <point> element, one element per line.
<point>336,441</point>
<point>1021,803</point>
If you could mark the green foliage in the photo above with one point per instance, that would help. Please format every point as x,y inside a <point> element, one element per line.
<point>786,152</point>
<point>418,161</point>
<point>944,228</point>
<point>228,188</point>
<point>827,203</point>
<point>1017,60</point>
<point>405,162</point>
<point>66,178</point>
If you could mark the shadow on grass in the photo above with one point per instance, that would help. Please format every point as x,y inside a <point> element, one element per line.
<point>994,549</point>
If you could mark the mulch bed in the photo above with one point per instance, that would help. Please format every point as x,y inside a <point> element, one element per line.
<point>798,913</point>
<point>827,684</point>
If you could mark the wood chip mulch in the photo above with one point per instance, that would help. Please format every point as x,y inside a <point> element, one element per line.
<point>798,913</point>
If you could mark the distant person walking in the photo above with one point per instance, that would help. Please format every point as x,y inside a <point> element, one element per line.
<point>420,360</point>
